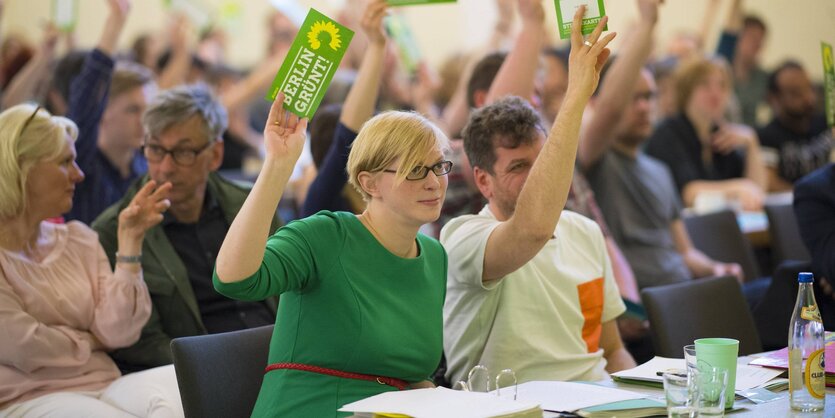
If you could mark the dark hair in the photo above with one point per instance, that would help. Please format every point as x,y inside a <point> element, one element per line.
<point>322,128</point>
<point>773,85</point>
<point>560,54</point>
<point>483,75</point>
<point>65,71</point>
<point>507,123</point>
<point>751,21</point>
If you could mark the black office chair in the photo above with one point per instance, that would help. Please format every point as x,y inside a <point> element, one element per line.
<point>785,235</point>
<point>220,375</point>
<point>773,315</point>
<point>700,308</point>
<point>719,237</point>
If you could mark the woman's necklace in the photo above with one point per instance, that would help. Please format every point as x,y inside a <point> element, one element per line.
<point>366,220</point>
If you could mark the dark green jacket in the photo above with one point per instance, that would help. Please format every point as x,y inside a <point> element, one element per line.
<point>175,312</point>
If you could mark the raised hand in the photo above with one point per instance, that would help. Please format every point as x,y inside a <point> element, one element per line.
<point>119,9</point>
<point>587,56</point>
<point>648,10</point>
<point>372,21</point>
<point>284,134</point>
<point>145,210</point>
<point>532,12</point>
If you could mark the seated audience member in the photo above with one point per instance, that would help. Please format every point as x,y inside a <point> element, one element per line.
<point>61,306</point>
<point>517,76</point>
<point>741,44</point>
<point>107,106</point>
<point>704,153</point>
<point>814,205</point>
<point>184,147</point>
<point>530,286</point>
<point>635,191</point>
<point>796,141</point>
<point>361,294</point>
<point>108,147</point>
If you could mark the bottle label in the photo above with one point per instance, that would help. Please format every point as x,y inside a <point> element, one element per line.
<point>811,313</point>
<point>815,378</point>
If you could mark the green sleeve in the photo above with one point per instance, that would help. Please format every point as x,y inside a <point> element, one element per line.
<point>293,258</point>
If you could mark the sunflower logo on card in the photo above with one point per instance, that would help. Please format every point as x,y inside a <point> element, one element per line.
<point>318,29</point>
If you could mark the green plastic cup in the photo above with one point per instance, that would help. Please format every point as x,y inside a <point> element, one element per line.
<point>722,353</point>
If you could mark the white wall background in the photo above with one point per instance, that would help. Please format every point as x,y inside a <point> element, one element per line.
<point>796,27</point>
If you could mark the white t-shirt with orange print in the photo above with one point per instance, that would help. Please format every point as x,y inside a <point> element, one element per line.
<point>544,320</point>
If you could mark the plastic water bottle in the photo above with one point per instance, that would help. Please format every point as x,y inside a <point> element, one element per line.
<point>806,350</point>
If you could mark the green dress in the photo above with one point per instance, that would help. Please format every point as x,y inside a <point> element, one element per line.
<point>348,304</point>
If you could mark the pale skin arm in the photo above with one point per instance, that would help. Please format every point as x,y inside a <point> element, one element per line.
<point>179,64</point>
<point>243,248</point>
<point>362,97</point>
<point>617,358</point>
<point>776,184</point>
<point>697,262</point>
<point>624,276</point>
<point>119,10</point>
<point>23,86</point>
<point>517,74</point>
<point>616,91</point>
<point>143,213</point>
<point>257,81</point>
<point>515,241</point>
<point>749,190</point>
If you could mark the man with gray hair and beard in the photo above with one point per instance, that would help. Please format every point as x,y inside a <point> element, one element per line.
<point>184,147</point>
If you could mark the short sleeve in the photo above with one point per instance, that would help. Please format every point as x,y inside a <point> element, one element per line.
<point>294,258</point>
<point>465,239</point>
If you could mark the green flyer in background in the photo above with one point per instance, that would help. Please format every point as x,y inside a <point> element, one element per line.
<point>565,15</point>
<point>400,32</point>
<point>311,63</point>
<point>65,14</point>
<point>413,2</point>
<point>828,82</point>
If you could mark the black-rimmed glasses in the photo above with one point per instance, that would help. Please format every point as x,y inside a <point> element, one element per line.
<point>420,172</point>
<point>181,156</point>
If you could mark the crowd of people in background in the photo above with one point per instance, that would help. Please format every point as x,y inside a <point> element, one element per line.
<point>502,209</point>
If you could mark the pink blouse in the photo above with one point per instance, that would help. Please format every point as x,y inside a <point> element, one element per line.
<point>50,310</point>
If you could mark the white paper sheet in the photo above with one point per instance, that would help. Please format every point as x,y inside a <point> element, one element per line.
<point>438,403</point>
<point>747,377</point>
<point>570,396</point>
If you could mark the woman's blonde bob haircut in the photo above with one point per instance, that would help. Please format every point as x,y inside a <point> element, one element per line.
<point>695,72</point>
<point>406,137</point>
<point>24,143</point>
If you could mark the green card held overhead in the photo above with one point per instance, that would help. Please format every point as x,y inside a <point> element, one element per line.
<point>829,82</point>
<point>65,14</point>
<point>413,2</point>
<point>565,15</point>
<point>400,32</point>
<point>312,61</point>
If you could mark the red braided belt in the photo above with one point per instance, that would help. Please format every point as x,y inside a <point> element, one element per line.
<point>397,383</point>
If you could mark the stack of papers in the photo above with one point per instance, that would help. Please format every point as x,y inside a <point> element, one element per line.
<point>747,377</point>
<point>442,403</point>
<point>588,400</point>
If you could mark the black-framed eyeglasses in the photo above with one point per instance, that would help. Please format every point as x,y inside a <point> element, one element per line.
<point>182,156</point>
<point>420,172</point>
<point>30,118</point>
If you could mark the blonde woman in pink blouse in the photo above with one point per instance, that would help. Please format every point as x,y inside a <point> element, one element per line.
<point>61,306</point>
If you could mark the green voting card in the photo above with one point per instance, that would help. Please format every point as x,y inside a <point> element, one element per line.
<point>412,2</point>
<point>310,64</point>
<point>828,82</point>
<point>65,14</point>
<point>565,15</point>
<point>399,31</point>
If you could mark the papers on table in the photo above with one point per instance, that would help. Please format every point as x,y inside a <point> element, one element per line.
<point>442,402</point>
<point>747,377</point>
<point>570,396</point>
